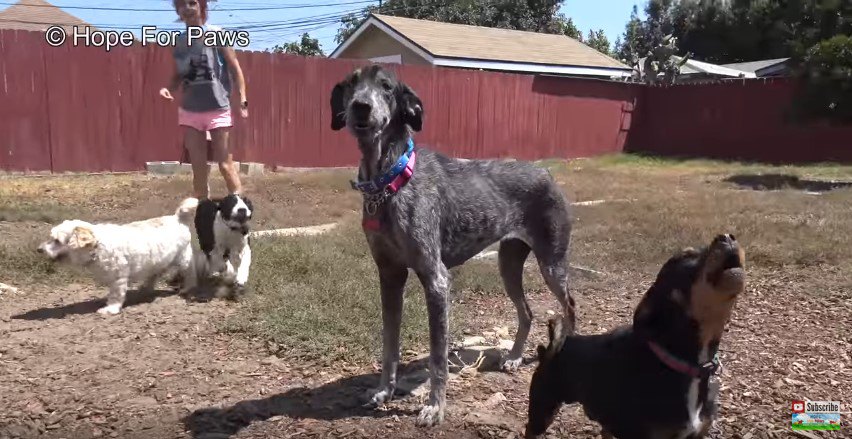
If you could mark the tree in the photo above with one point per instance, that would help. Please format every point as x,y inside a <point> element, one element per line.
<point>306,46</point>
<point>569,28</point>
<point>827,88</point>
<point>598,41</point>
<point>527,15</point>
<point>736,30</point>
<point>633,44</point>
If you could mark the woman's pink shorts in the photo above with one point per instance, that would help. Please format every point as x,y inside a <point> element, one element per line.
<point>206,121</point>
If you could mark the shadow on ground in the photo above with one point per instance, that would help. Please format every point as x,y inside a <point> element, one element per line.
<point>340,399</point>
<point>333,401</point>
<point>134,298</point>
<point>768,182</point>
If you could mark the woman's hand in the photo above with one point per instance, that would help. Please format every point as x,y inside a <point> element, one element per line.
<point>244,108</point>
<point>166,94</point>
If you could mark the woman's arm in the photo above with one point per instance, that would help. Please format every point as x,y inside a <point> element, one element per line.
<point>167,91</point>
<point>237,72</point>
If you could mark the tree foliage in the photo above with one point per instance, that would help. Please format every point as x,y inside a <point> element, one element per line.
<point>598,41</point>
<point>528,15</point>
<point>306,46</point>
<point>633,44</point>
<point>827,89</point>
<point>727,31</point>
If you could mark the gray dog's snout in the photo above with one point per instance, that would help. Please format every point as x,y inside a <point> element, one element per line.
<point>361,108</point>
<point>40,250</point>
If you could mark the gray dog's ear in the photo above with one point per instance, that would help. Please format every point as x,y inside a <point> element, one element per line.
<point>338,110</point>
<point>412,108</point>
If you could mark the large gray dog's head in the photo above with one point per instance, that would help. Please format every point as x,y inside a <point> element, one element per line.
<point>371,100</point>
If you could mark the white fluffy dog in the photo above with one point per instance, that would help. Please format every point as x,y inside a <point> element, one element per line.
<point>121,254</point>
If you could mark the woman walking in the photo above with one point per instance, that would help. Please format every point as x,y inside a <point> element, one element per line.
<point>205,73</point>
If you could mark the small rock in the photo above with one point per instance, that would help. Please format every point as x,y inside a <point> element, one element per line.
<point>551,312</point>
<point>7,289</point>
<point>502,332</point>
<point>143,401</point>
<point>506,344</point>
<point>272,359</point>
<point>473,341</point>
<point>495,400</point>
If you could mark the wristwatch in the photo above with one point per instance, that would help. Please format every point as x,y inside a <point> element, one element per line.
<point>244,104</point>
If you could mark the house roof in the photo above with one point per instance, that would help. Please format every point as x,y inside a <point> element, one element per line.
<point>756,66</point>
<point>695,66</point>
<point>461,45</point>
<point>37,15</point>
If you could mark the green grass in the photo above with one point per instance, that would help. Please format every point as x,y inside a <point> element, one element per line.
<point>648,162</point>
<point>319,297</point>
<point>24,266</point>
<point>33,211</point>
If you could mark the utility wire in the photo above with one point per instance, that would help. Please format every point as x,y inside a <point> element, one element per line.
<point>264,8</point>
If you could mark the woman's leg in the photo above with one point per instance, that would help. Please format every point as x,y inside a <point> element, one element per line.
<point>225,159</point>
<point>196,144</point>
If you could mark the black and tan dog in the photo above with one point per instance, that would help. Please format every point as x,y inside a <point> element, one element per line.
<point>651,379</point>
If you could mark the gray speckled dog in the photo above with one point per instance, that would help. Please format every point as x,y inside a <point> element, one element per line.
<point>425,211</point>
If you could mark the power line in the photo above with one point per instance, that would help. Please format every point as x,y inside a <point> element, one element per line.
<point>263,8</point>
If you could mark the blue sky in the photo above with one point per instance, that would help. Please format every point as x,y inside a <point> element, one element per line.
<point>609,15</point>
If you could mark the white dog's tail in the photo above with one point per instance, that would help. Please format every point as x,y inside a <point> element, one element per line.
<point>186,211</point>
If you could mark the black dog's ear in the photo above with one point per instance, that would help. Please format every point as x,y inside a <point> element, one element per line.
<point>412,108</point>
<point>338,110</point>
<point>655,311</point>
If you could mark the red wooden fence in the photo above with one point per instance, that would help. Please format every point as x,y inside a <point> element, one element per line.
<point>85,109</point>
<point>734,120</point>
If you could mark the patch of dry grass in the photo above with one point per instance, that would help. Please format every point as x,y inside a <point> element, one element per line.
<point>318,296</point>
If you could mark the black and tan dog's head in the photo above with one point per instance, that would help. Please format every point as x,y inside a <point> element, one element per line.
<point>545,398</point>
<point>371,100</point>
<point>693,296</point>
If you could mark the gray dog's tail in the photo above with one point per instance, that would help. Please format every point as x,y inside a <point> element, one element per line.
<point>186,211</point>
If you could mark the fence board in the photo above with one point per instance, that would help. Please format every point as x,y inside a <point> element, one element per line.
<point>24,123</point>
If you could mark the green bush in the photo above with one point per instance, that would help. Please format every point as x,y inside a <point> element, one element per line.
<point>827,81</point>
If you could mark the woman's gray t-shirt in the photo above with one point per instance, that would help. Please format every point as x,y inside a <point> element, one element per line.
<point>206,79</point>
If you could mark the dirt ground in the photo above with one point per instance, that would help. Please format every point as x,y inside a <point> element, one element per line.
<point>165,369</point>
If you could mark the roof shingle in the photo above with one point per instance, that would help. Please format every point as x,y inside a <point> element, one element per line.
<point>448,40</point>
<point>37,15</point>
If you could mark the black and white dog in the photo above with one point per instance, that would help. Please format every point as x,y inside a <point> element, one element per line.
<point>223,235</point>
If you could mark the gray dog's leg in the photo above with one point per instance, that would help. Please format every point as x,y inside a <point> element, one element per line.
<point>555,273</point>
<point>436,282</point>
<point>392,282</point>
<point>513,253</point>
